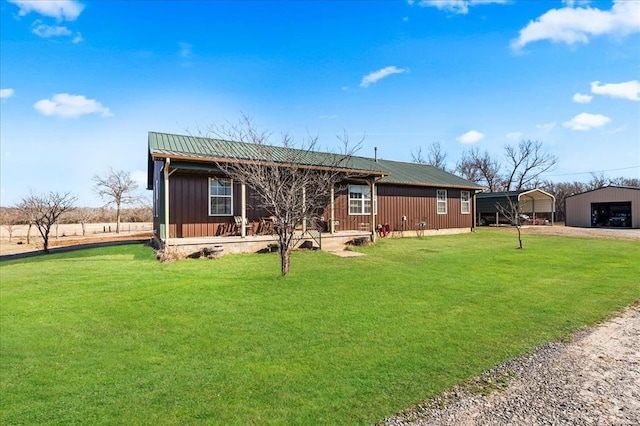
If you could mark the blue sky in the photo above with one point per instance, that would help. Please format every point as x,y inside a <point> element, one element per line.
<point>82,82</point>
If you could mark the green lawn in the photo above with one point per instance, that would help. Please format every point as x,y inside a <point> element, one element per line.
<point>111,336</point>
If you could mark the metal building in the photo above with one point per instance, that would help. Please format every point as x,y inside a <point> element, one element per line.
<point>611,206</point>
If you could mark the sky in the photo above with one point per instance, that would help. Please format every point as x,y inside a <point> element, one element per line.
<point>83,82</point>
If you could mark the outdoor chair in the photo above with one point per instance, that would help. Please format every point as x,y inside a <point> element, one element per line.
<point>248,226</point>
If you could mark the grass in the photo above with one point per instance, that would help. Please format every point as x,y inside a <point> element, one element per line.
<point>111,336</point>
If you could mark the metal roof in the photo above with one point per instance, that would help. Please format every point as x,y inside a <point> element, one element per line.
<point>163,145</point>
<point>535,193</point>
<point>402,173</point>
<point>193,148</point>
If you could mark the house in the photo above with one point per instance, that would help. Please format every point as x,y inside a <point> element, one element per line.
<point>535,207</point>
<point>196,204</point>
<point>611,206</point>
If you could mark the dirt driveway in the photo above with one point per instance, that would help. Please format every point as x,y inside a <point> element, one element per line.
<point>610,233</point>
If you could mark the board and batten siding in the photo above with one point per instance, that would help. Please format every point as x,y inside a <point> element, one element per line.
<point>417,203</point>
<point>189,208</point>
<point>578,207</point>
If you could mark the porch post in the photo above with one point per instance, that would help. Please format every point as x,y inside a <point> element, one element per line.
<point>372,187</point>
<point>332,224</point>
<point>304,208</point>
<point>243,209</point>
<point>167,162</point>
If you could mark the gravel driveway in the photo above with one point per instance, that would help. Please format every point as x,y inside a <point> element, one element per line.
<point>592,380</point>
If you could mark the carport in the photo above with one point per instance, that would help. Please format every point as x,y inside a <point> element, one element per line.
<point>537,204</point>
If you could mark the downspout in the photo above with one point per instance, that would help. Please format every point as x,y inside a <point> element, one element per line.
<point>372,187</point>
<point>167,162</point>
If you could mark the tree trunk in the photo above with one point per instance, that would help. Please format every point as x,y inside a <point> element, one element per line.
<point>285,260</point>
<point>519,238</point>
<point>29,234</point>
<point>118,219</point>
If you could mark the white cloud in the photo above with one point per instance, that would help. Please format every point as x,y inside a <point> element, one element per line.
<point>77,39</point>
<point>68,106</point>
<point>62,10</point>
<point>579,98</point>
<point>586,121</point>
<point>460,7</point>
<point>546,126</point>
<point>46,31</point>
<point>627,90</point>
<point>577,24</point>
<point>376,76</point>
<point>6,93</point>
<point>472,136</point>
<point>515,136</point>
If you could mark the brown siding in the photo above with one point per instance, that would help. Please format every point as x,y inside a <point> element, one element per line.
<point>418,204</point>
<point>189,210</point>
<point>189,207</point>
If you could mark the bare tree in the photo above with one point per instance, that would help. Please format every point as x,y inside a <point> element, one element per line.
<point>511,209</point>
<point>9,218</point>
<point>83,216</point>
<point>293,185</point>
<point>116,187</point>
<point>481,169</point>
<point>526,163</point>
<point>45,210</point>
<point>435,156</point>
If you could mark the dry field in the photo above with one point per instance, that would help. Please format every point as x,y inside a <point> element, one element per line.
<point>71,234</point>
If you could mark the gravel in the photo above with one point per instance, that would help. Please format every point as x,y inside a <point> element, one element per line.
<point>592,379</point>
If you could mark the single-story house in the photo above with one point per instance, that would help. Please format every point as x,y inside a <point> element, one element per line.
<point>611,206</point>
<point>536,206</point>
<point>195,203</point>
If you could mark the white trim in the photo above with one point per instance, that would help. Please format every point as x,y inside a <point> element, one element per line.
<point>210,196</point>
<point>438,191</point>
<point>467,203</point>
<point>362,189</point>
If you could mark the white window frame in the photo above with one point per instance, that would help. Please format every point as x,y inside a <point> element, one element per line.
<point>465,205</point>
<point>365,190</point>
<point>229,196</point>
<point>441,201</point>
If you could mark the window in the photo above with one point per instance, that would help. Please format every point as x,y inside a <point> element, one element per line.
<point>465,203</point>
<point>220,197</point>
<point>441,201</point>
<point>360,200</point>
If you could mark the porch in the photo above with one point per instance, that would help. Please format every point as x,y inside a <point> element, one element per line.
<point>235,244</point>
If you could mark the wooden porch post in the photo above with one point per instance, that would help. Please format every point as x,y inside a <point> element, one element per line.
<point>304,208</point>
<point>332,224</point>
<point>243,209</point>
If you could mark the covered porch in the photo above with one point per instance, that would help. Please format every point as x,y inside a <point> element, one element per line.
<point>236,244</point>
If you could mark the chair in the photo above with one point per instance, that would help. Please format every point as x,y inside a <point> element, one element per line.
<point>248,226</point>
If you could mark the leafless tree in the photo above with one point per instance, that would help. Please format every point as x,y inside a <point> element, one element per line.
<point>45,210</point>
<point>481,169</point>
<point>435,156</point>
<point>511,209</point>
<point>83,216</point>
<point>293,185</point>
<point>526,163</point>
<point>9,218</point>
<point>116,187</point>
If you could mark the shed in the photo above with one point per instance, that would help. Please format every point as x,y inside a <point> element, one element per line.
<point>536,204</point>
<point>611,206</point>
